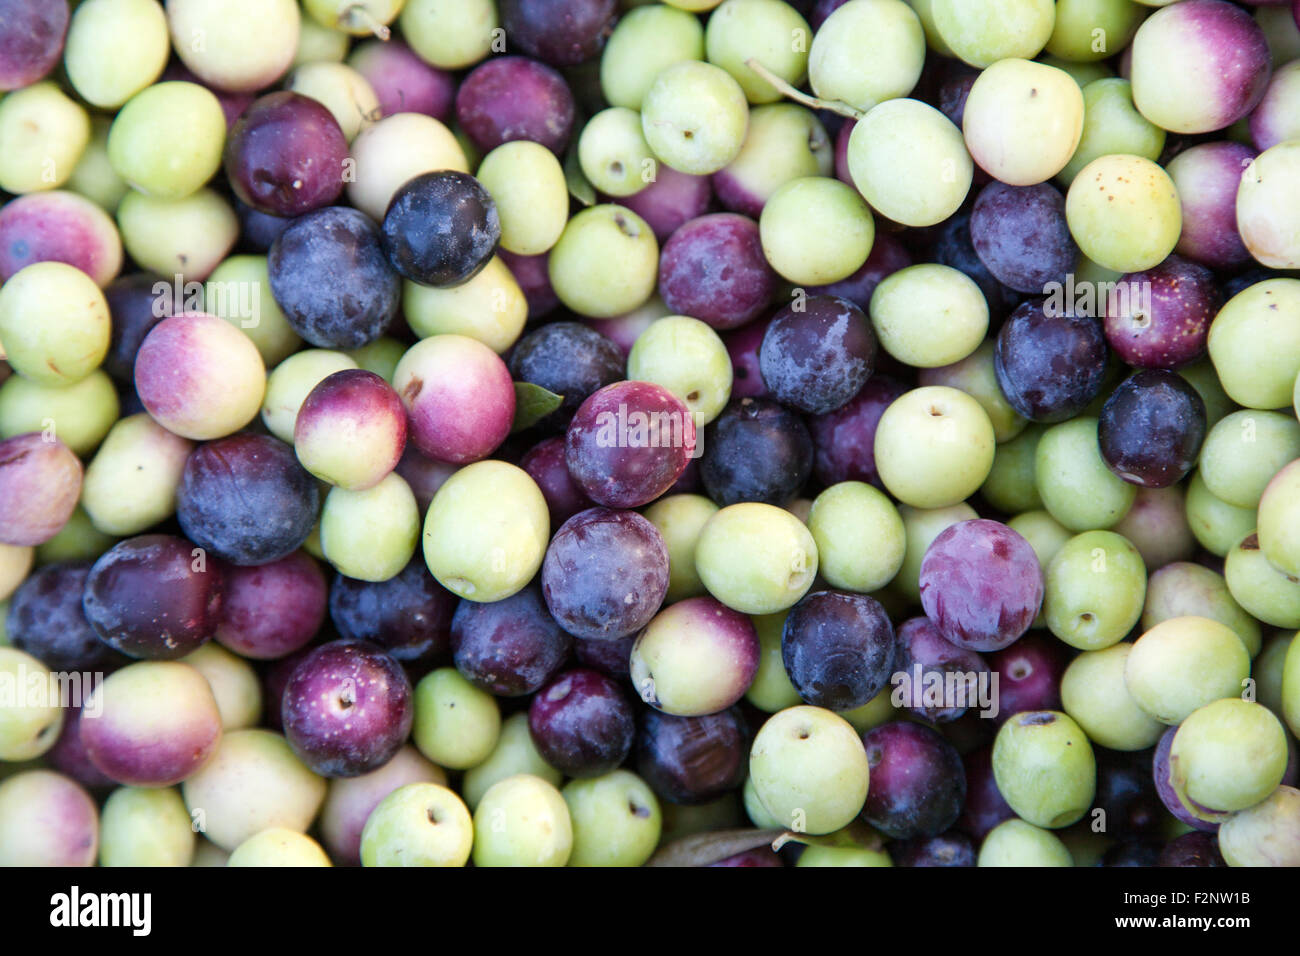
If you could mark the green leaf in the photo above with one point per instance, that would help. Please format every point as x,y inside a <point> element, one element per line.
<point>856,836</point>
<point>579,187</point>
<point>701,849</point>
<point>532,404</point>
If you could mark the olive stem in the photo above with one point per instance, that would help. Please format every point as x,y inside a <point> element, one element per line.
<point>799,96</point>
<point>356,14</point>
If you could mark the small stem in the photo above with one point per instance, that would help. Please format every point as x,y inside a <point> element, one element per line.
<point>357,14</point>
<point>799,96</point>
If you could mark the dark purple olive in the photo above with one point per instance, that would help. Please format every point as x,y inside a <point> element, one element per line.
<point>756,450</point>
<point>923,657</point>
<point>441,228</point>
<point>692,760</point>
<point>247,499</point>
<point>946,849</point>
<point>816,357</point>
<point>154,596</point>
<point>1151,428</point>
<point>1020,234</point>
<point>330,277</point>
<point>511,647</point>
<point>561,32</point>
<point>918,784</point>
<point>838,649</point>
<point>1191,849</point>
<point>409,616</point>
<point>605,574</point>
<point>1049,364</point>
<point>582,723</point>
<point>46,620</point>
<point>286,155</point>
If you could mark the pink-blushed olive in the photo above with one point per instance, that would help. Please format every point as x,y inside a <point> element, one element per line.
<point>458,395</point>
<point>1199,66</point>
<point>59,226</point>
<point>1277,117</point>
<point>40,481</point>
<point>403,82</point>
<point>199,376</point>
<point>1207,176</point>
<point>695,657</point>
<point>1157,526</point>
<point>47,819</point>
<point>351,430</point>
<point>151,724</point>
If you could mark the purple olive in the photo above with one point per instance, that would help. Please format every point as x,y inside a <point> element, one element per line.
<point>347,709</point>
<point>981,584</point>
<point>581,723</point>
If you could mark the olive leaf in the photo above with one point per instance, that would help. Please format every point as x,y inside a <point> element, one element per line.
<point>701,849</point>
<point>532,404</point>
<point>856,836</point>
